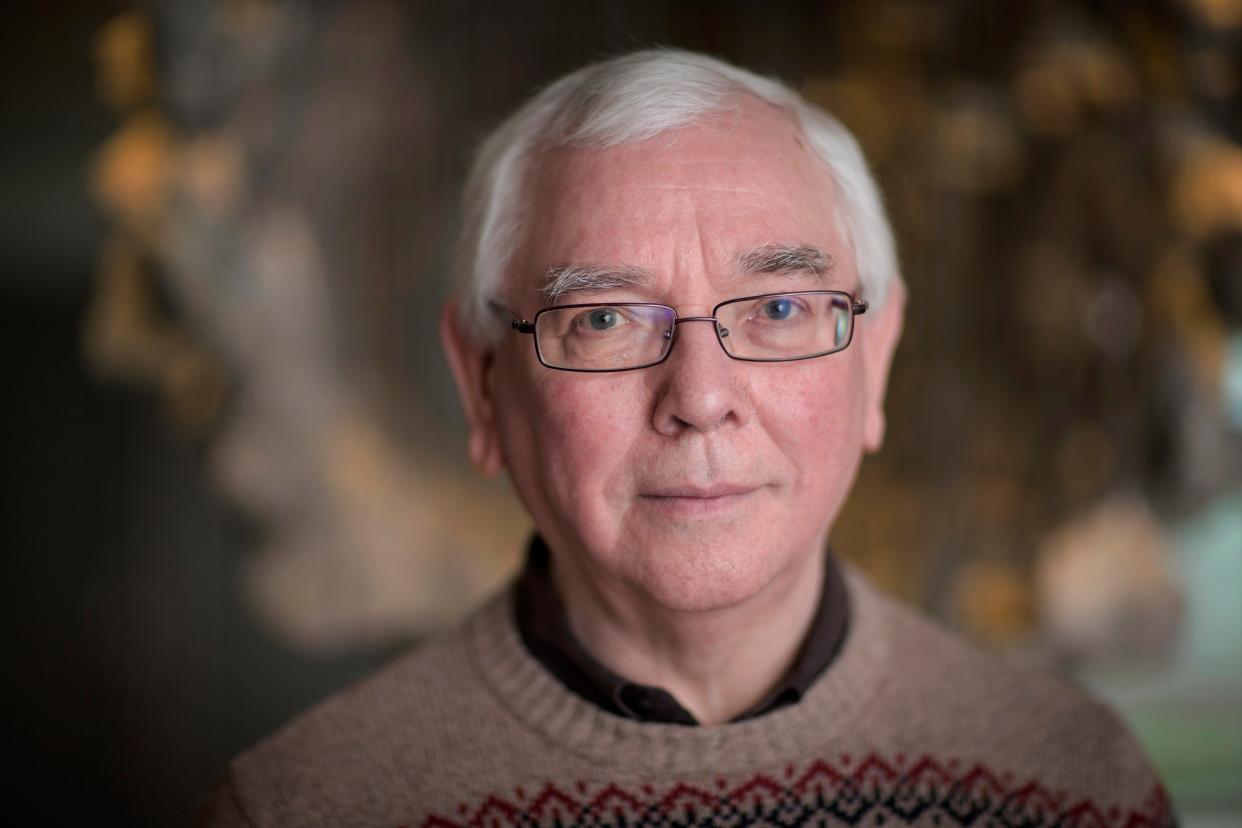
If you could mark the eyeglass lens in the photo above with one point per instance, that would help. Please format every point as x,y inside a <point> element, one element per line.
<point>775,327</point>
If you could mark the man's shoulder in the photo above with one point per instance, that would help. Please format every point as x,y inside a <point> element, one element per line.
<point>383,729</point>
<point>938,664</point>
<point>941,689</point>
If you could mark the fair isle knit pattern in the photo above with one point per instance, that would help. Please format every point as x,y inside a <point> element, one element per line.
<point>873,792</point>
<point>909,726</point>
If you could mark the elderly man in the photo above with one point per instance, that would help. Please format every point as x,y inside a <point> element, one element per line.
<point>679,303</point>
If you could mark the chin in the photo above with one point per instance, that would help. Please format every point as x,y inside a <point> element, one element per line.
<point>690,577</point>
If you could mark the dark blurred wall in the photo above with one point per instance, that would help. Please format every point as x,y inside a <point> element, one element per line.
<point>136,669</point>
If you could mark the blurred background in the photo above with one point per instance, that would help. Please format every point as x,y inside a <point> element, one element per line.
<point>234,464</point>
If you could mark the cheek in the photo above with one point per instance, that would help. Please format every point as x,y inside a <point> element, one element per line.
<point>588,424</point>
<point>819,427</point>
<point>566,435</point>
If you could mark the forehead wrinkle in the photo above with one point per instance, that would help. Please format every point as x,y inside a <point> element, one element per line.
<point>786,260</point>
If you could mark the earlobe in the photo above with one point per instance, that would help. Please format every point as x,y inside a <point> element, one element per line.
<point>471,365</point>
<point>883,333</point>
<point>485,454</point>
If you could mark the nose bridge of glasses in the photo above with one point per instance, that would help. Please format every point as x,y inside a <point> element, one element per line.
<point>721,330</point>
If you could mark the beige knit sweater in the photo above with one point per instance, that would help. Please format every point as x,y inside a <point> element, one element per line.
<point>907,726</point>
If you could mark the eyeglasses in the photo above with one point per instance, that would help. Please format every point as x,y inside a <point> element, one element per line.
<point>623,336</point>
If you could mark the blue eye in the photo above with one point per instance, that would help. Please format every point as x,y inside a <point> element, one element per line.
<point>778,309</point>
<point>601,319</point>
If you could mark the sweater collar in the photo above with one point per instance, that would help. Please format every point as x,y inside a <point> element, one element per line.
<point>526,691</point>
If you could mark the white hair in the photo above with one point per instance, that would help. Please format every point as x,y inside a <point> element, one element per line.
<point>629,99</point>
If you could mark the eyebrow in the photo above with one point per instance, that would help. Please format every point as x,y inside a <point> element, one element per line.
<point>566,279</point>
<point>786,260</point>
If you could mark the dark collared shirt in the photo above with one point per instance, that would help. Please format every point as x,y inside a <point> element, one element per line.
<point>545,631</point>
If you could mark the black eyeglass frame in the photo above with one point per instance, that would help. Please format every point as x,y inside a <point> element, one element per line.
<point>857,307</point>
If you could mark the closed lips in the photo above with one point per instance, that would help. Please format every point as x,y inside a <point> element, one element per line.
<point>700,493</point>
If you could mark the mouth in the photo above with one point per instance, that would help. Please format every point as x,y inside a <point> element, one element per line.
<point>693,492</point>
<point>691,500</point>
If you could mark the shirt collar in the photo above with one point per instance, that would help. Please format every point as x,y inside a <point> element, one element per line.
<point>545,632</point>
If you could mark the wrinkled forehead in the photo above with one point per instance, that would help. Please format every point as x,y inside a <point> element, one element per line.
<point>738,178</point>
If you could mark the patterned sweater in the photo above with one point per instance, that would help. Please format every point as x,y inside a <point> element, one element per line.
<point>909,726</point>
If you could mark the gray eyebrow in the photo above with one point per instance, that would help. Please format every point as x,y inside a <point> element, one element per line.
<point>786,260</point>
<point>770,258</point>
<point>566,279</point>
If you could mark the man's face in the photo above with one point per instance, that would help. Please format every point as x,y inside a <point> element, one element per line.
<point>701,482</point>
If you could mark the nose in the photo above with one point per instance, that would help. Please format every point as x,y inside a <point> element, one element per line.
<point>698,383</point>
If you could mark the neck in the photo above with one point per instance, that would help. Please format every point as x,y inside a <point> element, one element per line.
<point>717,663</point>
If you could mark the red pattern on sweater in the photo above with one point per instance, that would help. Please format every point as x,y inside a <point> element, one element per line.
<point>880,791</point>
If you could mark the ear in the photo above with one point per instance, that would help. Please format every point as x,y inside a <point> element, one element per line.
<point>471,364</point>
<point>881,330</point>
